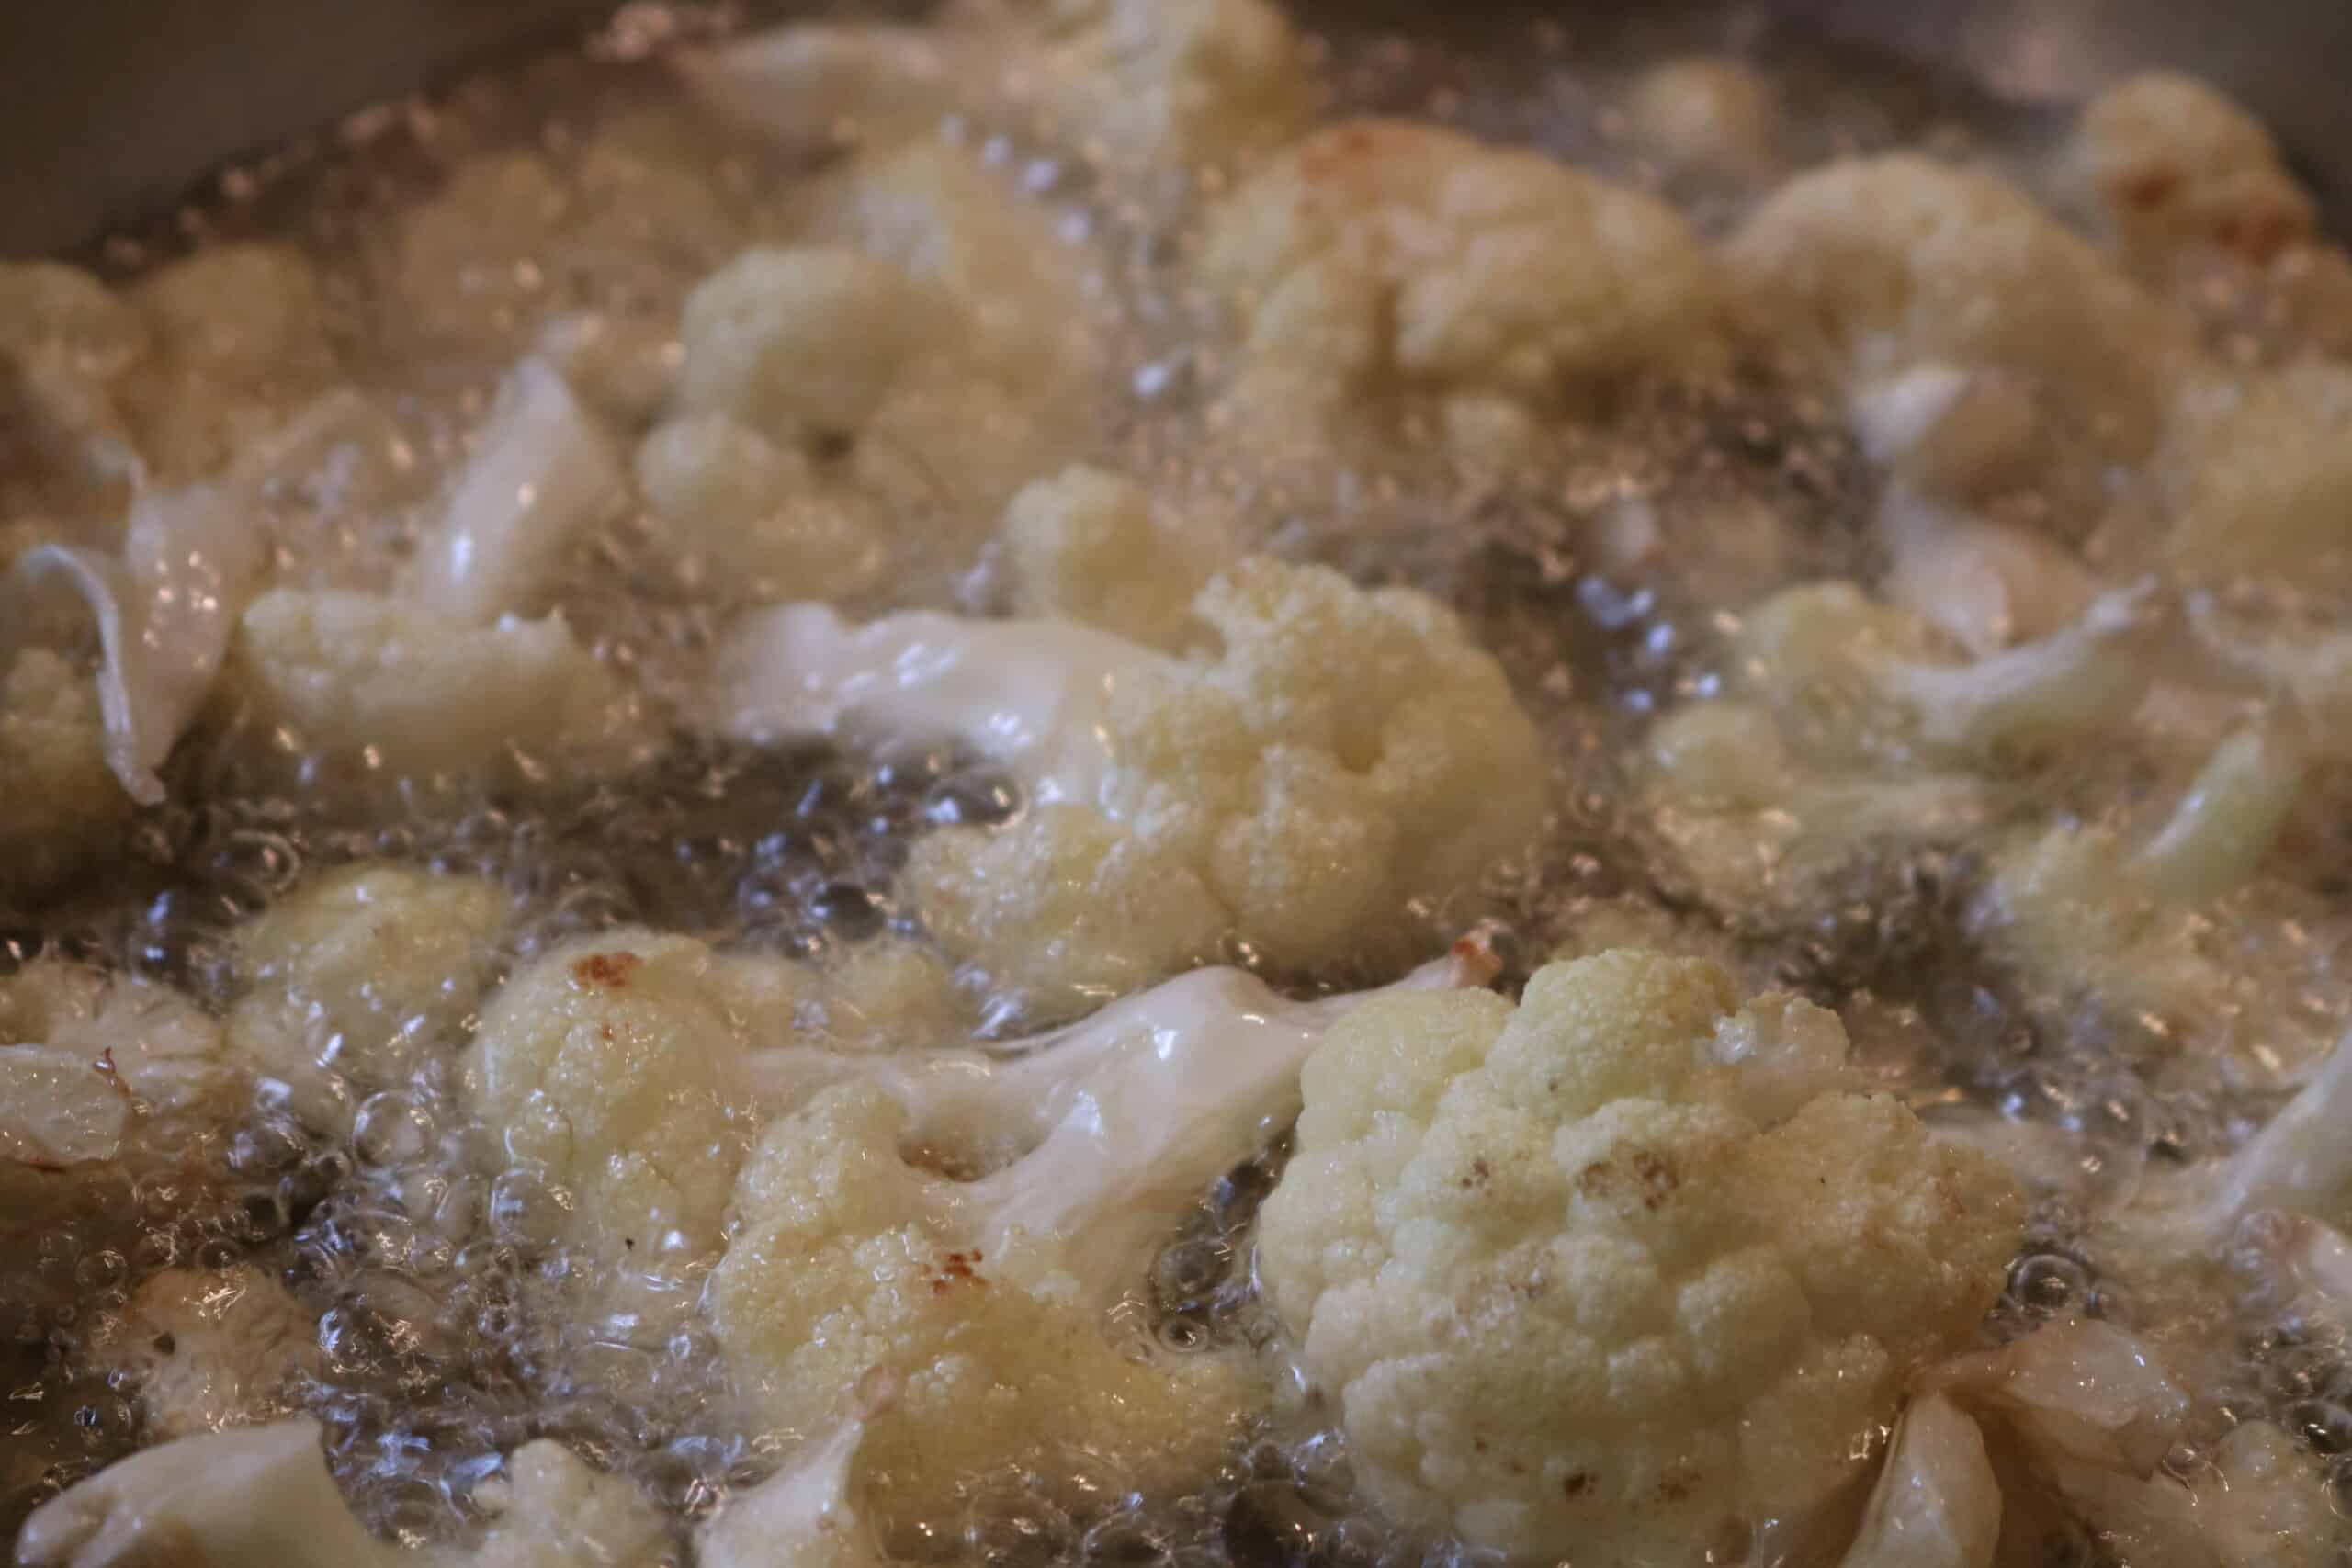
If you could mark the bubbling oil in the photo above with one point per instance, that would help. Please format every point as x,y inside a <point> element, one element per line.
<point>432,1268</point>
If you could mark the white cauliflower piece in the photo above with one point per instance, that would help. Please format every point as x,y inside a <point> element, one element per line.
<point>758,520</point>
<point>1706,114</point>
<point>1176,82</point>
<point>215,1348</point>
<point>615,1067</point>
<point>1987,585</point>
<point>813,1512</point>
<point>259,1496</point>
<point>1301,790</point>
<point>356,980</point>
<point>552,1511</point>
<point>986,1298</point>
<point>1848,720</point>
<point>1946,431</point>
<point>95,1068</point>
<point>66,806</point>
<point>65,342</point>
<point>241,340</point>
<point>1880,264</point>
<point>1377,262</point>
<point>2091,1412</point>
<point>1089,547</point>
<point>543,477</point>
<point>890,403</point>
<point>817,84</point>
<point>1937,1503</point>
<point>2133,914</point>
<point>1623,1273</point>
<point>232,1499</point>
<point>364,694</point>
<point>2173,164</point>
<point>2258,473</point>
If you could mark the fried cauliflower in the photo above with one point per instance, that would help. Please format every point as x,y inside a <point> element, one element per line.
<point>362,695</point>
<point>1876,265</point>
<point>66,806</point>
<point>1379,266</point>
<point>1621,1274</point>
<point>2171,163</point>
<point>1346,761</point>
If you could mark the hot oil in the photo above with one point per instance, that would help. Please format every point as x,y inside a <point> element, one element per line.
<point>432,1268</point>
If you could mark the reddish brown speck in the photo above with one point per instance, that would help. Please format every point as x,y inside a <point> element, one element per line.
<point>2151,187</point>
<point>954,1269</point>
<point>104,1066</point>
<point>610,970</point>
<point>1577,1484</point>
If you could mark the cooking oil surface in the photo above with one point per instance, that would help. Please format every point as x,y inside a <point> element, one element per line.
<point>428,1268</point>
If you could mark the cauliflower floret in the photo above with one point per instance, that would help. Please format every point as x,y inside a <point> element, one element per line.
<point>867,393</point>
<point>821,84</point>
<point>985,1299</point>
<point>1089,547</point>
<point>261,1495</point>
<point>242,341</point>
<point>1378,261</point>
<point>1623,1273</point>
<point>65,342</point>
<point>1880,264</point>
<point>1706,115</point>
<point>214,1349</point>
<point>66,806</point>
<point>615,1067</point>
<point>96,1068</point>
<point>358,980</point>
<point>363,694</point>
<point>1182,81</point>
<point>2259,472</point>
<point>1946,432</point>
<point>756,519</point>
<point>2171,162</point>
<point>1302,790</point>
<point>1937,1503</point>
<point>544,476</point>
<point>2141,917</point>
<point>813,1513</point>
<point>1986,585</point>
<point>1848,720</point>
<point>553,1511</point>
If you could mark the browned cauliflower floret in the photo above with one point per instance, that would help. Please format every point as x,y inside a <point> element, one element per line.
<point>1378,264</point>
<point>1623,1274</point>
<point>2173,164</point>
<point>1881,264</point>
<point>64,805</point>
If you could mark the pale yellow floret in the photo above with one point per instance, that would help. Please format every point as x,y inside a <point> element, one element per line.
<point>1377,262</point>
<point>64,807</point>
<point>748,516</point>
<point>1618,1275</point>
<point>359,694</point>
<point>552,1510</point>
<point>1346,760</point>
<point>1089,546</point>
<point>1880,264</point>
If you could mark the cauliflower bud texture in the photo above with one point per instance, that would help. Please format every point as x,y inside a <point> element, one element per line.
<point>1624,1274</point>
<point>1344,756</point>
<point>1377,259</point>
